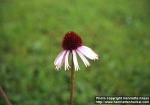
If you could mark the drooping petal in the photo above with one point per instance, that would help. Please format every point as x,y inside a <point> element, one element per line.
<point>85,61</point>
<point>75,62</point>
<point>66,60</point>
<point>88,52</point>
<point>60,59</point>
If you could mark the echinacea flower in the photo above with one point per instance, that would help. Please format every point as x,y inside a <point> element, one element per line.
<point>72,43</point>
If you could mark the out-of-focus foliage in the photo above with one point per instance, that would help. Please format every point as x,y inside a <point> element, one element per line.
<point>30,38</point>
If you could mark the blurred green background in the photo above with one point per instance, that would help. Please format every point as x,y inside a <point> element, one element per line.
<point>31,32</point>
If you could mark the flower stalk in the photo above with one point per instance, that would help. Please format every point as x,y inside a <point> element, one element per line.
<point>72,76</point>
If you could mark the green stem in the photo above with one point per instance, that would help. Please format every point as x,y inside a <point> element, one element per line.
<point>71,82</point>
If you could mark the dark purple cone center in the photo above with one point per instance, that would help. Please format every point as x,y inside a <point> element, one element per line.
<point>71,41</point>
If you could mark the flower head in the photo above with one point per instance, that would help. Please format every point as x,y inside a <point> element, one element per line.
<point>72,43</point>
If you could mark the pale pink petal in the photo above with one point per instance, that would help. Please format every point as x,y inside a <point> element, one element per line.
<point>58,56</point>
<point>58,66</point>
<point>66,60</point>
<point>75,60</point>
<point>60,59</point>
<point>85,61</point>
<point>88,52</point>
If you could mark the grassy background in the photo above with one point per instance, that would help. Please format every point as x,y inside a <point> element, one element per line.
<point>30,38</point>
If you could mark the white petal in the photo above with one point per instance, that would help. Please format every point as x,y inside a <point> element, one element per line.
<point>66,60</point>
<point>88,52</point>
<point>75,60</point>
<point>60,59</point>
<point>85,61</point>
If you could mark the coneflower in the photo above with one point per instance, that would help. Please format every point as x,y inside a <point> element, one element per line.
<point>72,44</point>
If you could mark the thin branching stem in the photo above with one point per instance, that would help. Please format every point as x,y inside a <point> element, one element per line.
<point>3,94</point>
